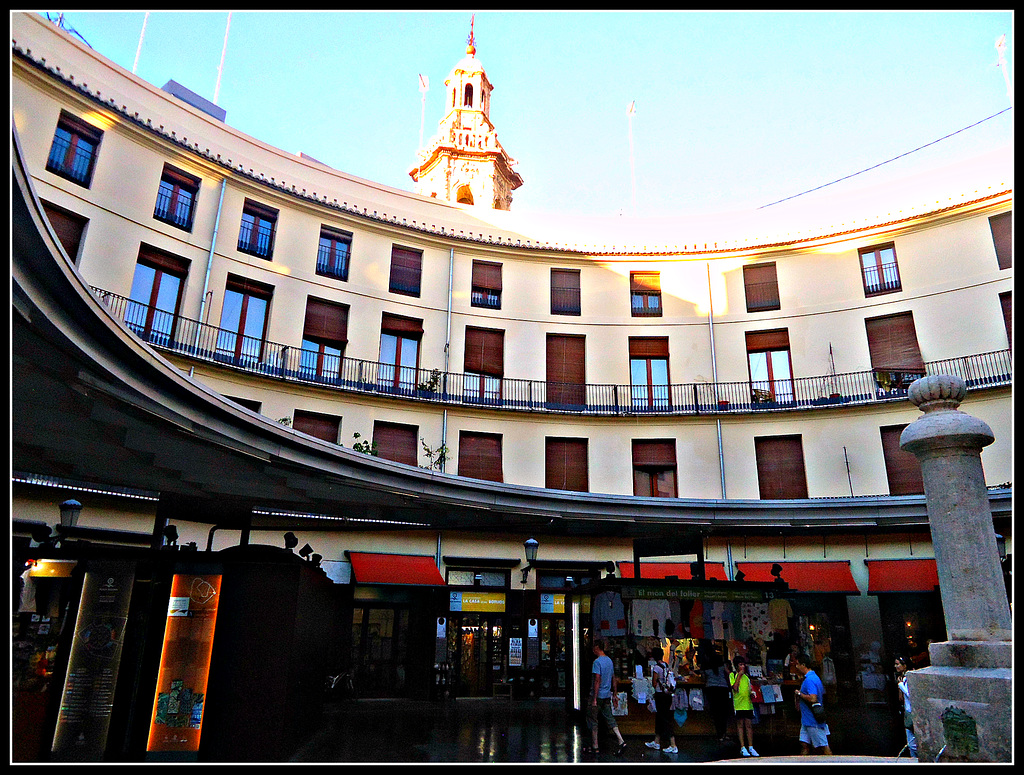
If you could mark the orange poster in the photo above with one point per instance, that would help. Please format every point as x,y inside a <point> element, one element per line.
<point>184,664</point>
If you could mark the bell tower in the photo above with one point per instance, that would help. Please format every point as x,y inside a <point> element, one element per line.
<point>464,163</point>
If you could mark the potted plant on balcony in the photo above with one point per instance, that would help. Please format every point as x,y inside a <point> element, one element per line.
<point>429,387</point>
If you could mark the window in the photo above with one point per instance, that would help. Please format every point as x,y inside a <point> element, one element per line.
<point>484,364</point>
<point>256,235</point>
<point>486,285</point>
<point>176,198</point>
<point>332,255</point>
<point>480,456</point>
<point>566,370</point>
<point>399,352</point>
<point>396,442</point>
<point>324,336</point>
<point>565,292</point>
<point>648,372</point>
<point>152,311</point>
<point>1006,301</point>
<point>1002,237</point>
<point>406,269</point>
<point>879,270</point>
<point>74,149</point>
<point>248,403</point>
<point>901,467</point>
<point>654,468</point>
<point>69,228</point>
<point>467,100</point>
<point>243,319</point>
<point>320,426</point>
<point>476,577</point>
<point>645,294</point>
<point>565,464</point>
<point>780,467</point>
<point>761,287</point>
<point>895,357</point>
<point>771,374</point>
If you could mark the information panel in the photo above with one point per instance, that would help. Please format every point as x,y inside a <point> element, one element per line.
<point>476,601</point>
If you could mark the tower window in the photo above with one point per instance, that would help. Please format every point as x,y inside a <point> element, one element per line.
<point>468,96</point>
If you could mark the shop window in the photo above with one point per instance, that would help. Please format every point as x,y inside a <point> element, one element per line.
<point>895,356</point>
<point>780,467</point>
<point>565,292</point>
<point>484,364</point>
<point>902,468</point>
<point>480,456</point>
<point>69,228</point>
<point>654,468</point>
<point>152,310</point>
<point>74,149</point>
<point>1002,238</point>
<point>1006,302</point>
<point>566,370</point>
<point>399,352</point>
<point>256,233</point>
<point>648,373</point>
<point>324,336</point>
<point>566,464</point>
<point>879,270</point>
<point>243,319</point>
<point>645,294</point>
<point>761,287</point>
<point>320,426</point>
<point>485,288</point>
<point>176,198</point>
<point>396,442</point>
<point>771,373</point>
<point>333,253</point>
<point>406,270</point>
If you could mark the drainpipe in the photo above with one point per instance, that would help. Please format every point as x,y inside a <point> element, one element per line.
<point>714,377</point>
<point>209,261</point>
<point>447,354</point>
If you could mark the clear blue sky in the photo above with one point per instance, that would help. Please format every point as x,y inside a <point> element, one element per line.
<point>732,109</point>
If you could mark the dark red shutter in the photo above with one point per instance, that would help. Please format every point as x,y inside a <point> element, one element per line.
<point>645,281</point>
<point>780,467</point>
<point>566,369</point>
<point>485,351</point>
<point>325,321</point>
<point>760,341</point>
<point>1006,300</point>
<point>761,286</point>
<point>408,328</point>
<point>406,269</point>
<point>480,456</point>
<point>654,453</point>
<point>901,467</point>
<point>1002,237</point>
<point>160,259</point>
<point>320,426</point>
<point>565,465</point>
<point>892,342</point>
<point>648,347</point>
<point>396,442</point>
<point>68,227</point>
<point>486,275</point>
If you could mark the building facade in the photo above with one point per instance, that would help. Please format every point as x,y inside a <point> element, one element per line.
<point>735,406</point>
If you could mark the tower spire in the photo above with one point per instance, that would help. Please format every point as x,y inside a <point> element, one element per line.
<point>471,41</point>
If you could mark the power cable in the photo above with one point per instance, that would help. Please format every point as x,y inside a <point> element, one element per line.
<point>894,158</point>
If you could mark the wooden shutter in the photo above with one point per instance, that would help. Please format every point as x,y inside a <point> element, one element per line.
<point>480,456</point>
<point>396,442</point>
<point>160,259</point>
<point>565,291</point>
<point>901,467</point>
<point>485,351</point>
<point>761,287</point>
<point>325,322</point>
<point>645,281</point>
<point>486,275</point>
<point>780,467</point>
<point>565,465</point>
<point>760,341</point>
<point>566,369</point>
<point>642,347</point>
<point>406,268</point>
<point>1002,237</point>
<point>408,328</point>
<point>654,453</point>
<point>892,342</point>
<point>1006,300</point>
<point>321,426</point>
<point>68,227</point>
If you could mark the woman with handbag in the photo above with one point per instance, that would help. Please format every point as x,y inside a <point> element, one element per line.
<point>902,668</point>
<point>810,697</point>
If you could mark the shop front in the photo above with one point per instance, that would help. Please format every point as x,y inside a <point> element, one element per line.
<point>910,607</point>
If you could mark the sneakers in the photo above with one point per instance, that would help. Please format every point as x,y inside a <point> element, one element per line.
<point>750,748</point>
<point>653,744</point>
<point>744,751</point>
<point>670,749</point>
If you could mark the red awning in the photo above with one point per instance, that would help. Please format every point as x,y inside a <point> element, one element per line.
<point>902,575</point>
<point>714,571</point>
<point>369,568</point>
<point>806,576</point>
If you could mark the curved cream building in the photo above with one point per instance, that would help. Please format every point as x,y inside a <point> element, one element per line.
<point>732,387</point>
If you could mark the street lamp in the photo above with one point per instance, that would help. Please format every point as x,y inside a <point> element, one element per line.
<point>530,546</point>
<point>69,513</point>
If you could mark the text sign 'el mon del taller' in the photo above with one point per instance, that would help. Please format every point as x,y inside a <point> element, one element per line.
<point>464,163</point>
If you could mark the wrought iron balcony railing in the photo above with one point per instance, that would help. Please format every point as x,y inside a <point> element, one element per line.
<point>209,343</point>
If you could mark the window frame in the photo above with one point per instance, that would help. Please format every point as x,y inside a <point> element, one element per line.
<point>645,295</point>
<point>571,457</point>
<point>324,328</point>
<point>779,481</point>
<point>406,450</point>
<point>654,466</point>
<point>902,468</point>
<point>178,181</point>
<point>328,263</point>
<point>1001,226</point>
<point>258,214</point>
<point>476,443</point>
<point>78,132</point>
<point>756,281</point>
<point>163,265</point>
<point>396,282</point>
<point>881,286</point>
<point>770,344</point>
<point>403,378</point>
<point>248,290</point>
<point>314,421</point>
<point>644,353</point>
<point>485,285</point>
<point>566,299</point>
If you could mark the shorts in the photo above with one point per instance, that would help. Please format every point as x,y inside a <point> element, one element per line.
<point>744,713</point>
<point>603,710</point>
<point>816,736</point>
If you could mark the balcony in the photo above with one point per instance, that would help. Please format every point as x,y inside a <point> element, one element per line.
<point>207,343</point>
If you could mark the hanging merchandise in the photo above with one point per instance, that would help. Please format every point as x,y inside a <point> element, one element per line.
<point>609,615</point>
<point>621,705</point>
<point>696,699</point>
<point>828,671</point>
<point>679,700</point>
<point>756,623</point>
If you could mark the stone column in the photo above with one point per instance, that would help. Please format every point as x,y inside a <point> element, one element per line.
<point>962,702</point>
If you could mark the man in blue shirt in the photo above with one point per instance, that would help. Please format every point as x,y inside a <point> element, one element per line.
<point>812,733</point>
<point>600,709</point>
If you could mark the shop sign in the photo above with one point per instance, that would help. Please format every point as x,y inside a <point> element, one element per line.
<point>551,603</point>
<point>476,601</point>
<point>695,593</point>
<point>177,720</point>
<point>95,657</point>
